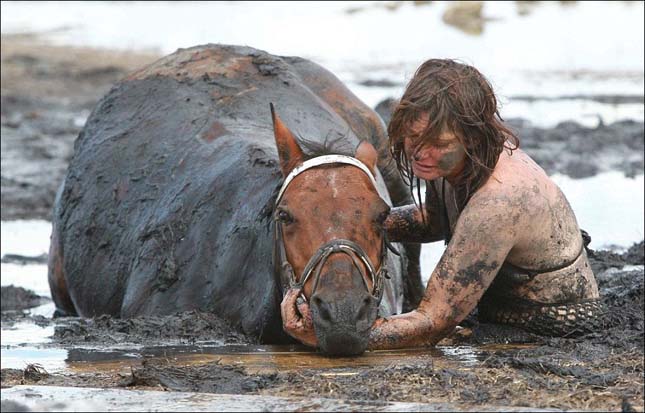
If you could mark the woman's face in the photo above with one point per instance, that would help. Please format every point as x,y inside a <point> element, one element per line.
<point>442,157</point>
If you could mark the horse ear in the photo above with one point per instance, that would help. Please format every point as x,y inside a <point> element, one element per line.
<point>288,149</point>
<point>366,153</point>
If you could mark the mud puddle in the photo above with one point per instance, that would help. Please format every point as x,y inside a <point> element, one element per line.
<point>260,359</point>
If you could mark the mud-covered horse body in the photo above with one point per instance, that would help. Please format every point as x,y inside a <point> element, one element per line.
<point>168,201</point>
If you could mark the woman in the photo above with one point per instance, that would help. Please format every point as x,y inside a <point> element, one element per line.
<point>514,248</point>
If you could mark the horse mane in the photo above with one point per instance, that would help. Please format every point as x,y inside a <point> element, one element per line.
<point>331,145</point>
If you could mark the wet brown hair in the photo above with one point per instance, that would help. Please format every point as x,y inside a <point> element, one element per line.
<point>459,99</point>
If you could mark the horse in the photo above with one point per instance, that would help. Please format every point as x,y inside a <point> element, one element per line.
<point>175,200</point>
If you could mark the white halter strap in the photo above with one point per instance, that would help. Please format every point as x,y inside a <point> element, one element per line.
<point>322,160</point>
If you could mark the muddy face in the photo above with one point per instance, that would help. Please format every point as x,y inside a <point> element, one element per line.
<point>442,156</point>
<point>320,205</point>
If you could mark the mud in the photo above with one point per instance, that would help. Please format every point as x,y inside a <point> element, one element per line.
<point>603,259</point>
<point>187,327</point>
<point>210,378</point>
<point>46,95</point>
<point>17,298</point>
<point>23,259</point>
<point>581,151</point>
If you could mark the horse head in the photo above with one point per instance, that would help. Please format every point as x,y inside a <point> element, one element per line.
<point>330,239</point>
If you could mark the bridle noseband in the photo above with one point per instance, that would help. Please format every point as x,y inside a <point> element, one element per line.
<point>283,268</point>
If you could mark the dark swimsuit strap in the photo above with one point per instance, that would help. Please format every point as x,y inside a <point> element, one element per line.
<point>586,239</point>
<point>508,267</point>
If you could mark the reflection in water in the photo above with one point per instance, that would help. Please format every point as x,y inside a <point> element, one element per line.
<point>254,358</point>
<point>269,359</point>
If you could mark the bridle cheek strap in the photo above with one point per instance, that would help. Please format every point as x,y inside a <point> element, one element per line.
<point>317,262</point>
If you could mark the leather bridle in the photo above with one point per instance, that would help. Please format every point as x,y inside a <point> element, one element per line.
<point>283,269</point>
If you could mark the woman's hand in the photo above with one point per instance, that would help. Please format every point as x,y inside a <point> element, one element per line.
<point>411,329</point>
<point>296,318</point>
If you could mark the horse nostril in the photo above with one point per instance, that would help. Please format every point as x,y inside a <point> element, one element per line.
<point>364,310</point>
<point>323,310</point>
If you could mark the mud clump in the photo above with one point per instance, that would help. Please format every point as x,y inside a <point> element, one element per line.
<point>186,328</point>
<point>209,378</point>
<point>466,16</point>
<point>410,383</point>
<point>18,298</point>
<point>24,259</point>
<point>579,152</point>
<point>603,259</point>
<point>31,374</point>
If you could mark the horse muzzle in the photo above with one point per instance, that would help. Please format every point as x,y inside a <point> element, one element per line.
<point>342,321</point>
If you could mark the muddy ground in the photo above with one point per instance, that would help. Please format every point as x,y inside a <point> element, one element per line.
<point>47,92</point>
<point>46,95</point>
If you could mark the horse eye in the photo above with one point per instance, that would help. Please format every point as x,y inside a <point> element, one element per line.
<point>284,217</point>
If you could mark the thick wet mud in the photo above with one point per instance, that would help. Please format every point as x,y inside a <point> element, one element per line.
<point>47,93</point>
<point>17,298</point>
<point>186,328</point>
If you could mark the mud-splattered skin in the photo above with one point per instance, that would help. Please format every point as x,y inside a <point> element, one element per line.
<point>519,217</point>
<point>167,205</point>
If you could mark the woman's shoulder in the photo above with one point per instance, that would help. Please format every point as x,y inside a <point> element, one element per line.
<point>516,181</point>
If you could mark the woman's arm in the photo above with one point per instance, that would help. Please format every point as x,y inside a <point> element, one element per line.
<point>483,236</point>
<point>406,224</point>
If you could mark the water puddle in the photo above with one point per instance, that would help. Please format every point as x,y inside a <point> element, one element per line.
<point>256,359</point>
